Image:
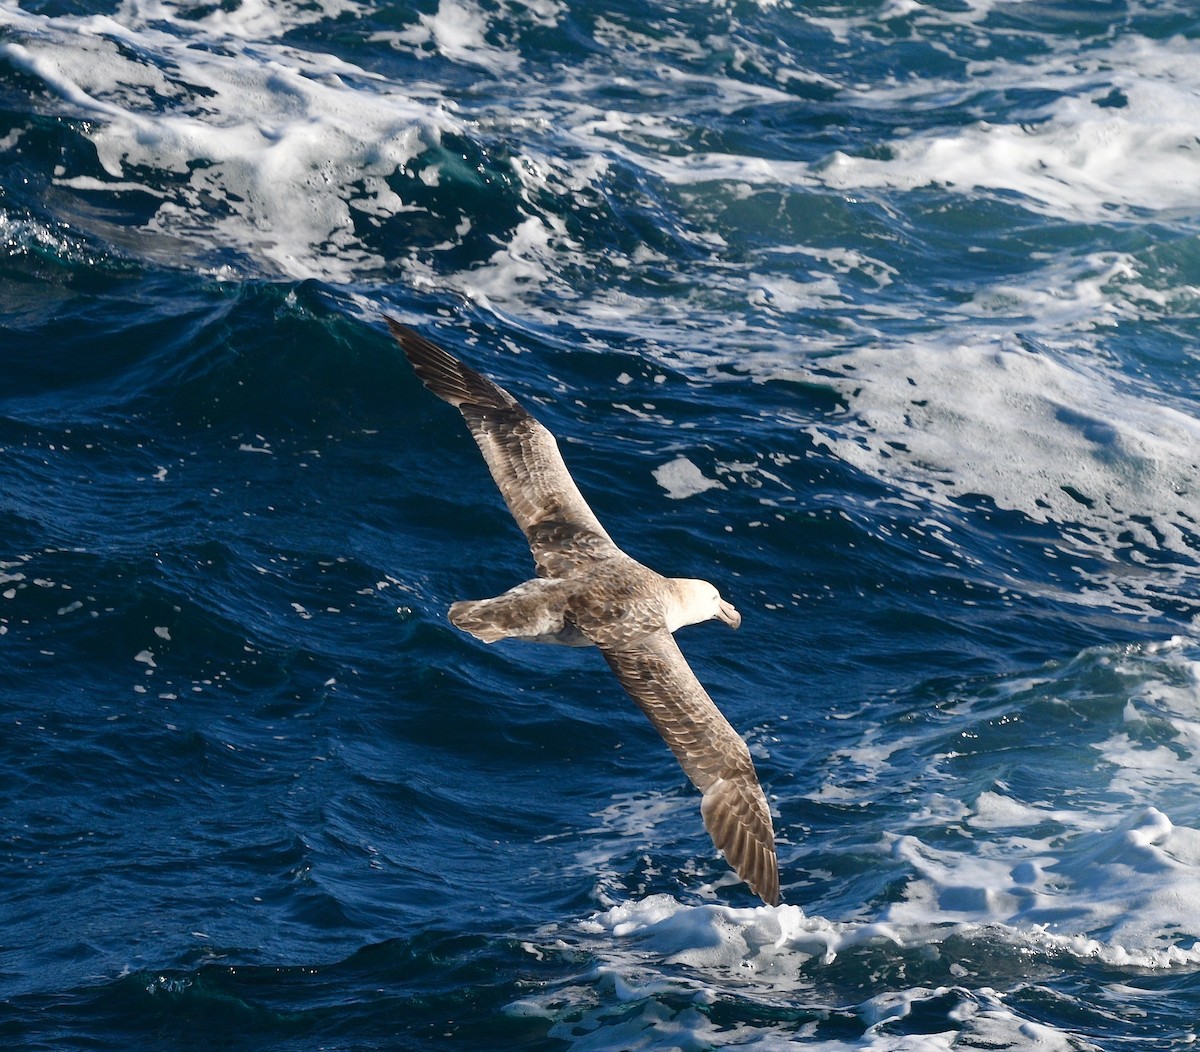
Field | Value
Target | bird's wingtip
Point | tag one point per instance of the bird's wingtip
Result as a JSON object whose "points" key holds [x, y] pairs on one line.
{"points": [[407, 337], [423, 352]]}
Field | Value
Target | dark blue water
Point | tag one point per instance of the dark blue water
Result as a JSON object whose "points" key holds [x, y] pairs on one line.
{"points": [[883, 317]]}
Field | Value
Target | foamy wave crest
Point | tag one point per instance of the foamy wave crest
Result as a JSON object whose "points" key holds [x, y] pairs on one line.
{"points": [[1085, 842], [1081, 851], [665, 971], [1041, 434], [1069, 158], [281, 156], [1126, 896]]}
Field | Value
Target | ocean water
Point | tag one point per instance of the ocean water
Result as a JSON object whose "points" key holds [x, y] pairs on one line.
{"points": [[883, 316]]}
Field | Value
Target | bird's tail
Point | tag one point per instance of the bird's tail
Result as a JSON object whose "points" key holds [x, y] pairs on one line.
{"points": [[534, 611], [479, 617]]}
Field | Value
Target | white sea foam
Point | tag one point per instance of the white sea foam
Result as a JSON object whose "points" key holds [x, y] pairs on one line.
{"points": [[1053, 438], [269, 160], [662, 963], [1127, 896], [529, 260], [1107, 874], [656, 955], [284, 148], [1071, 157], [1127, 893], [257, 20], [1111, 874], [458, 30], [681, 478]]}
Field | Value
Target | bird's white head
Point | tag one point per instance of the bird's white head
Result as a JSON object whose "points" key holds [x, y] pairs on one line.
{"points": [[698, 601]]}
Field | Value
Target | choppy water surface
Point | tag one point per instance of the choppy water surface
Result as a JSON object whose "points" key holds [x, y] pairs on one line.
{"points": [[883, 316]]}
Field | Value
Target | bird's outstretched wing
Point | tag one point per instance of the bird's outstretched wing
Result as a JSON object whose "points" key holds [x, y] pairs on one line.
{"points": [[522, 456], [657, 676]]}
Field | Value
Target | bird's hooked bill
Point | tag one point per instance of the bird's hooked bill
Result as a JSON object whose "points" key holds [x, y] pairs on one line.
{"points": [[728, 613]]}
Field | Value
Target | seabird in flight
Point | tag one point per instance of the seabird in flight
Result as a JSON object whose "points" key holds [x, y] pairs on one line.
{"points": [[588, 592]]}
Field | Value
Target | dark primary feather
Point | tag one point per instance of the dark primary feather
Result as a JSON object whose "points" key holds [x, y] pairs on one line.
{"points": [[448, 378]]}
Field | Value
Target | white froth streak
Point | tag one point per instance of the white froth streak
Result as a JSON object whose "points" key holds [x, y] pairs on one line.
{"points": [[1070, 158], [1100, 873], [681, 478], [44, 69], [658, 957], [287, 148], [1128, 895], [457, 29], [1057, 442], [247, 20]]}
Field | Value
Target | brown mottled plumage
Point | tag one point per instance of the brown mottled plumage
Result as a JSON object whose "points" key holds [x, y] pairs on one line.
{"points": [[590, 593]]}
